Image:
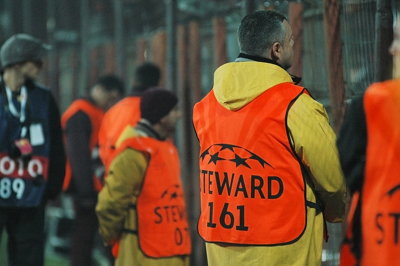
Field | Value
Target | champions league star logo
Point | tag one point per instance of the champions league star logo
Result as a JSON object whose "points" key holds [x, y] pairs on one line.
{"points": [[239, 156], [394, 189], [171, 193]]}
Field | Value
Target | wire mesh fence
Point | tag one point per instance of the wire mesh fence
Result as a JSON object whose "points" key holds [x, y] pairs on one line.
{"points": [[358, 35], [315, 76]]}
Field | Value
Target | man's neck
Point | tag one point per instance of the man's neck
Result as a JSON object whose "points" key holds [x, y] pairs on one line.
{"points": [[13, 80], [161, 131], [94, 101], [257, 58], [154, 131]]}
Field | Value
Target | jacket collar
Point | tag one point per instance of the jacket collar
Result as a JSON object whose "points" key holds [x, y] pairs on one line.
{"points": [[144, 126], [257, 58]]}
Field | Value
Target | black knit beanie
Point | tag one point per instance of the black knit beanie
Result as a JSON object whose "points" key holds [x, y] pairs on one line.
{"points": [[157, 103]]}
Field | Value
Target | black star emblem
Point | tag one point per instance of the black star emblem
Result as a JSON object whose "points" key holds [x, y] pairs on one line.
{"points": [[203, 155], [259, 159], [215, 158], [227, 146], [164, 193], [240, 161], [393, 190]]}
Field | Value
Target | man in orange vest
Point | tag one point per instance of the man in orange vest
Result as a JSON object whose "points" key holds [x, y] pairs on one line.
{"points": [[125, 112], [141, 209], [81, 123], [372, 170], [269, 169]]}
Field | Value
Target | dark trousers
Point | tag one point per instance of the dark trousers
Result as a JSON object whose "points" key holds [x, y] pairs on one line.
{"points": [[25, 229], [84, 228]]}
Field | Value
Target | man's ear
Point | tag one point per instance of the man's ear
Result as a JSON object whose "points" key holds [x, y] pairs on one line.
{"points": [[276, 50]]}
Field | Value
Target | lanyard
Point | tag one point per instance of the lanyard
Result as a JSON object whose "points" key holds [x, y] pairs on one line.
{"points": [[13, 110]]}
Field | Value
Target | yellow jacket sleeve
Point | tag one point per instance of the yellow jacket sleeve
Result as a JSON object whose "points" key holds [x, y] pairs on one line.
{"points": [[122, 186], [315, 144]]}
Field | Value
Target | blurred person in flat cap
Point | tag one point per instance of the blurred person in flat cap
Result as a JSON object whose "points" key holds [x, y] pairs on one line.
{"points": [[32, 159], [369, 148], [141, 209]]}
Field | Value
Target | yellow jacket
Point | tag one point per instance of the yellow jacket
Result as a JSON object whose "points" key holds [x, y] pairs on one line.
{"points": [[237, 84], [116, 218]]}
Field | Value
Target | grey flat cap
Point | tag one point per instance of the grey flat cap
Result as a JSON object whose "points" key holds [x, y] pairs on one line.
{"points": [[22, 47]]}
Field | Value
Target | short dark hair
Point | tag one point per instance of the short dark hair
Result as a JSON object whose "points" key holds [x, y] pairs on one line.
{"points": [[111, 82], [147, 75], [259, 30]]}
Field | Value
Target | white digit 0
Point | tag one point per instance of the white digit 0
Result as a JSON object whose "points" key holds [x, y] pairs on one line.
{"points": [[7, 166], [5, 188], [18, 187], [35, 164]]}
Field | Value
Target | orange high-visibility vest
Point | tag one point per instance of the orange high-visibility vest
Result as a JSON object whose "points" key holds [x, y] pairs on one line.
{"points": [[381, 191], [251, 183], [163, 229], [95, 115], [125, 112], [347, 256]]}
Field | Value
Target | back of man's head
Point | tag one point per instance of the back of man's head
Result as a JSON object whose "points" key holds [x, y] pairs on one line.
{"points": [[147, 75], [107, 91], [111, 82], [259, 30]]}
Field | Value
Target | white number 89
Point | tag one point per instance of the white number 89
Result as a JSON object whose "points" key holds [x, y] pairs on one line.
{"points": [[7, 186]]}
